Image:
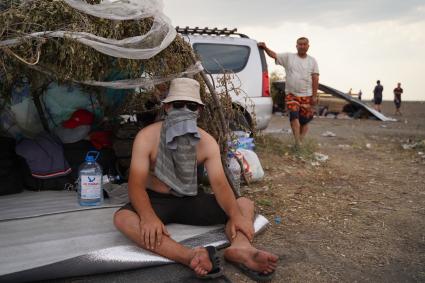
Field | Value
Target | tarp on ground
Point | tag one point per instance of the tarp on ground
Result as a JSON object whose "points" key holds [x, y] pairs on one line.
{"points": [[48, 235], [345, 96], [355, 101]]}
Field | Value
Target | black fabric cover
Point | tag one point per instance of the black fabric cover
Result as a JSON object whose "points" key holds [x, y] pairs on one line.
{"points": [[12, 168], [75, 154]]}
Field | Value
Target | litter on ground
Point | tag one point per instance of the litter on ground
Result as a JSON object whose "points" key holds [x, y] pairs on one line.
{"points": [[328, 134]]}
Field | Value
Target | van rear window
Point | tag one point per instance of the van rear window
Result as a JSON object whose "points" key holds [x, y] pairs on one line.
{"points": [[216, 57]]}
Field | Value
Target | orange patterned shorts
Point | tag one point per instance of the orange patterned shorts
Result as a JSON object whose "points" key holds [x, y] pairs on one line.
{"points": [[299, 108]]}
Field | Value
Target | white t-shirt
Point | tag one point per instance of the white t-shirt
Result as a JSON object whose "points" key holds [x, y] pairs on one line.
{"points": [[298, 73]]}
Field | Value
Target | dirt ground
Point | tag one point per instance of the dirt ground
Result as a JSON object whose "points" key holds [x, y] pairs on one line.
{"points": [[359, 216]]}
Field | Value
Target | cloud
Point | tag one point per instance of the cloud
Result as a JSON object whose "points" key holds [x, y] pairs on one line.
{"points": [[237, 13], [356, 56], [355, 42]]}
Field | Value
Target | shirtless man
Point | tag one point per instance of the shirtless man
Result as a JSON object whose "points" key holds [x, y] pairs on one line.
{"points": [[162, 194]]}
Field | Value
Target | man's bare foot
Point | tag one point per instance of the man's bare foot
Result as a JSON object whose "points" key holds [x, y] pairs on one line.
{"points": [[254, 259], [200, 261], [297, 147]]}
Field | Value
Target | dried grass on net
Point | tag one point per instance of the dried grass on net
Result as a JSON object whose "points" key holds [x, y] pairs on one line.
{"points": [[66, 60]]}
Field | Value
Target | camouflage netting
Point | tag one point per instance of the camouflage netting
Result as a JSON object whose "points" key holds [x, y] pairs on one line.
{"points": [[70, 60], [44, 59]]}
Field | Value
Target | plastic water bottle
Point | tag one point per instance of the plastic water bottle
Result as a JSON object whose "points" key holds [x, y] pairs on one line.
{"points": [[90, 191], [235, 170]]}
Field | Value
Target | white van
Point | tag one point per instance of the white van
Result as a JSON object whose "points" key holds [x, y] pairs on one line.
{"points": [[234, 52]]}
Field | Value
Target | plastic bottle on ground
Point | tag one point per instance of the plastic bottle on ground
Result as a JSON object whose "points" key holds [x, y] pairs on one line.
{"points": [[90, 191]]}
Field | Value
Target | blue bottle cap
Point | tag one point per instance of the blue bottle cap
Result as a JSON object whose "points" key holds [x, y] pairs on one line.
{"points": [[92, 156]]}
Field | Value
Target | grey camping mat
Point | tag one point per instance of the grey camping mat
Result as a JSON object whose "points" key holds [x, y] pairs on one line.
{"points": [[31, 204], [82, 242]]}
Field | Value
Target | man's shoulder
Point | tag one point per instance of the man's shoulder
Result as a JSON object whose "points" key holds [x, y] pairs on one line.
{"points": [[311, 58], [285, 55], [208, 147], [150, 132], [153, 127], [205, 136], [207, 140]]}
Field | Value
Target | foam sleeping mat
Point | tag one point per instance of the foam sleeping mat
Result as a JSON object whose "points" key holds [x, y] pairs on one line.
{"points": [[45, 235]]}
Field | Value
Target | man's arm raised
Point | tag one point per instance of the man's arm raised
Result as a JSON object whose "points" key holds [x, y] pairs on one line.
{"points": [[269, 52], [151, 227]]}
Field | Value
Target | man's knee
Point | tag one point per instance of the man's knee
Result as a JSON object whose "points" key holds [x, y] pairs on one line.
{"points": [[121, 220]]}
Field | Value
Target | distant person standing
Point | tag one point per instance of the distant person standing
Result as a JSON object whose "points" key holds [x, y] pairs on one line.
{"points": [[377, 95], [397, 98], [302, 82], [360, 95]]}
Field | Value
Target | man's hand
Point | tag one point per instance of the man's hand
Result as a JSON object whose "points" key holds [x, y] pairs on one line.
{"points": [[314, 100], [243, 225], [268, 51], [151, 232]]}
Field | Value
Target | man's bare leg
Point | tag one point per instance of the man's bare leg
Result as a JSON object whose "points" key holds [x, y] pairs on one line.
{"points": [[295, 126], [127, 222], [303, 132], [241, 249]]}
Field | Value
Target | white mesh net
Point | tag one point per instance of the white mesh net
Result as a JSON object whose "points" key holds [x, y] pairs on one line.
{"points": [[145, 46], [119, 9], [147, 83]]}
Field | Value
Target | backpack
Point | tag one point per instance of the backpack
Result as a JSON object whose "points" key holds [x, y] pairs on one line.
{"points": [[46, 161]]}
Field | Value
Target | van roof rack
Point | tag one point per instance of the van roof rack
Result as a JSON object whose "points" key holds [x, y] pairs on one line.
{"points": [[210, 31]]}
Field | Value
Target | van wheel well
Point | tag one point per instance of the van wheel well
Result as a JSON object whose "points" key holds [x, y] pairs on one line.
{"points": [[242, 120]]}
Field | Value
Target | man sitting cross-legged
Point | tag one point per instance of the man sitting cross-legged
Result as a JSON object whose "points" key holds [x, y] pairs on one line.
{"points": [[163, 189]]}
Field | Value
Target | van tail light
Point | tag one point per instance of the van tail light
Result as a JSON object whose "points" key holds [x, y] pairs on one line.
{"points": [[266, 84]]}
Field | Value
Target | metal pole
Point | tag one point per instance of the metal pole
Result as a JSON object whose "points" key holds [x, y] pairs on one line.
{"points": [[37, 103]]}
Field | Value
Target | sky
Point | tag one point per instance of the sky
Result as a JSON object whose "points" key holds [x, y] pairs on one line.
{"points": [[355, 42]]}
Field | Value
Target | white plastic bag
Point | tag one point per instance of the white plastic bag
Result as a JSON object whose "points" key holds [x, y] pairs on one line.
{"points": [[27, 118], [252, 165]]}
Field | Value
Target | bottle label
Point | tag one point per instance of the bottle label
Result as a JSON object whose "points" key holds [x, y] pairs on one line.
{"points": [[91, 186]]}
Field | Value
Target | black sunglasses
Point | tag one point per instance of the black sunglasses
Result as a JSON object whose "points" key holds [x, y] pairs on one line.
{"points": [[192, 106]]}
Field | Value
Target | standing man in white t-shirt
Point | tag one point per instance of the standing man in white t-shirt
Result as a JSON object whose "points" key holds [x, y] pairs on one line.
{"points": [[302, 82]]}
